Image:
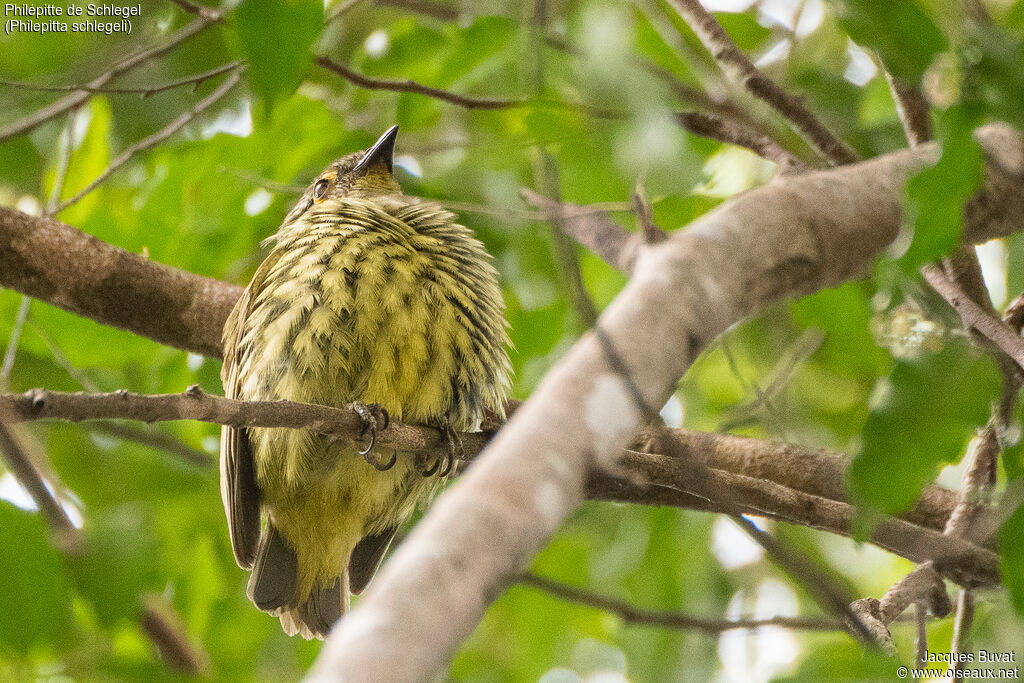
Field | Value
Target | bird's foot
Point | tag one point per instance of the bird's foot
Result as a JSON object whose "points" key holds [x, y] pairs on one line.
{"points": [[444, 464], [373, 417]]}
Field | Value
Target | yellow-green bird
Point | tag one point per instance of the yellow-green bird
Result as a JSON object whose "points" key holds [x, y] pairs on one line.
{"points": [[367, 296]]}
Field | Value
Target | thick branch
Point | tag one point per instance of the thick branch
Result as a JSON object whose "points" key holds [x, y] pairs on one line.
{"points": [[53, 262], [813, 231]]}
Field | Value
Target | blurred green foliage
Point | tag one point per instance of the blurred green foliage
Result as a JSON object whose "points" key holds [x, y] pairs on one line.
{"points": [[601, 91]]}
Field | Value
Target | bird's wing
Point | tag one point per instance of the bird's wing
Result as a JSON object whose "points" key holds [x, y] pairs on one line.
{"points": [[238, 489], [366, 558]]}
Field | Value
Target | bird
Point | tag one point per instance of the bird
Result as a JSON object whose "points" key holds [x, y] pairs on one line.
{"points": [[371, 299]]}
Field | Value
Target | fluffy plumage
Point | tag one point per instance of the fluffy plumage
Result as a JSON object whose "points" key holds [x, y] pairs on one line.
{"points": [[367, 296]]}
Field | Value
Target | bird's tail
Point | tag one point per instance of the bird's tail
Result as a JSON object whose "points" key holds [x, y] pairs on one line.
{"points": [[273, 587]]}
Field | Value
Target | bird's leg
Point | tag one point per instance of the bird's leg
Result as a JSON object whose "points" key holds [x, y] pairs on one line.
{"points": [[371, 416], [445, 464]]}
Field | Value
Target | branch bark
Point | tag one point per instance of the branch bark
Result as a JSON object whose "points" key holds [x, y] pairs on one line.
{"points": [[739, 68], [53, 262], [778, 480]]}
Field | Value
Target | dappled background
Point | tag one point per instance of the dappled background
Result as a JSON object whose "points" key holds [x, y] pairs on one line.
{"points": [[575, 99]]}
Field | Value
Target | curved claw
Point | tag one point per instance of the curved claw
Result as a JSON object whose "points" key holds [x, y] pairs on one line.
{"points": [[381, 467], [449, 463], [373, 440], [436, 466]]}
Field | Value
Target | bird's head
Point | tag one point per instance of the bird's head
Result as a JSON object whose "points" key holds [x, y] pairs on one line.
{"points": [[362, 174]]}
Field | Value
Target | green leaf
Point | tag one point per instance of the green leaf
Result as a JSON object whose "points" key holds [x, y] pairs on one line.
{"points": [[744, 29], [1010, 536], [900, 31], [993, 63], [936, 195], [120, 563], [276, 37], [89, 160], [925, 412], [34, 590]]}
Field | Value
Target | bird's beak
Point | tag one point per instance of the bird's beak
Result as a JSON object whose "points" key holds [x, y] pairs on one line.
{"points": [[382, 152]]}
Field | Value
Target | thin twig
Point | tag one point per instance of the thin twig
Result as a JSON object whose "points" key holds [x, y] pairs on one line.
{"points": [[707, 103], [465, 101], [63, 161], [156, 439], [155, 139], [194, 80], [32, 121], [715, 128], [12, 343], [546, 176], [994, 329], [62, 360], [739, 68], [920, 634], [195, 404], [827, 591], [923, 586], [200, 10], [631, 614], [166, 630], [21, 466], [644, 213], [912, 108], [961, 630]]}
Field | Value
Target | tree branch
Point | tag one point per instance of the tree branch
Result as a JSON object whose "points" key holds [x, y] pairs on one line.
{"points": [[15, 456], [194, 80], [631, 614], [53, 262], [30, 122], [595, 231], [912, 108], [975, 316], [814, 230], [201, 10], [780, 481], [154, 139], [714, 128], [165, 629], [737, 67], [464, 101]]}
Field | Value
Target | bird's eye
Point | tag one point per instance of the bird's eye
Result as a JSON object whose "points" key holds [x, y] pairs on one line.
{"points": [[320, 189]]}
